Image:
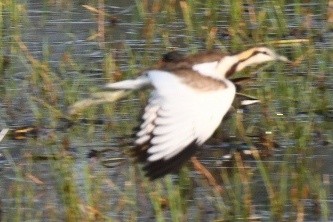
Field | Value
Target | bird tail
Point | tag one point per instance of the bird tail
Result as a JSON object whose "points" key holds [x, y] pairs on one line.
{"points": [[130, 84]]}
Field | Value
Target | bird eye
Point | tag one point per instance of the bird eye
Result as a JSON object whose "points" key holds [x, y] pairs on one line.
{"points": [[265, 53]]}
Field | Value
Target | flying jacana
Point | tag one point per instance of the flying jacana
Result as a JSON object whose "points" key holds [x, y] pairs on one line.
{"points": [[190, 96]]}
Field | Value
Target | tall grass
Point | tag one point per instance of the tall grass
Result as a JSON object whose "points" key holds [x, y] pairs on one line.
{"points": [[290, 113]]}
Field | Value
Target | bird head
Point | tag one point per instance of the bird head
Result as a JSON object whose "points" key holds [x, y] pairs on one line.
{"points": [[253, 56], [257, 55]]}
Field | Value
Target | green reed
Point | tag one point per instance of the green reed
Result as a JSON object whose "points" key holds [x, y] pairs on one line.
{"points": [[288, 182]]}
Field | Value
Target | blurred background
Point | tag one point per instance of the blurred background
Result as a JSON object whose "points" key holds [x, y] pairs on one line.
{"points": [[64, 160]]}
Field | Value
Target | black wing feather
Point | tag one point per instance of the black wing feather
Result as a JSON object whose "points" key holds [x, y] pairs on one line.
{"points": [[160, 168]]}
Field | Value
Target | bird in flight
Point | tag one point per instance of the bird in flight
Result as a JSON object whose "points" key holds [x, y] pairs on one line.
{"points": [[191, 95]]}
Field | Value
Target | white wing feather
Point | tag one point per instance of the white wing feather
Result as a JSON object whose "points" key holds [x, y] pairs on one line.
{"points": [[212, 106], [180, 115], [131, 84]]}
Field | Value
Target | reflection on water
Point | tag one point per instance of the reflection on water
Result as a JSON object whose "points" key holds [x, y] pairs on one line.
{"points": [[51, 34]]}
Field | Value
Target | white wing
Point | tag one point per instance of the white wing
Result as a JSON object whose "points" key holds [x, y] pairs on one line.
{"points": [[132, 84], [168, 123], [212, 106], [178, 116]]}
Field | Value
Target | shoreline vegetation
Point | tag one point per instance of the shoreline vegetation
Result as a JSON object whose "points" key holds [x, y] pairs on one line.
{"points": [[65, 156]]}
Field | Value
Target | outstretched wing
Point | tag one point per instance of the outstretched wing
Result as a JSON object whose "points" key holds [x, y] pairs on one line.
{"points": [[158, 139], [177, 119]]}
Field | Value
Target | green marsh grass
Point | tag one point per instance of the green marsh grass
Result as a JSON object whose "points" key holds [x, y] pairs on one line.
{"points": [[91, 193]]}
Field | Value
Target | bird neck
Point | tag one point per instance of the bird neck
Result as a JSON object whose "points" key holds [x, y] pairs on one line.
{"points": [[227, 66], [245, 63], [240, 61]]}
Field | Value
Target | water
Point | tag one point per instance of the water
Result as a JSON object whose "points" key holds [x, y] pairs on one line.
{"points": [[55, 33]]}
